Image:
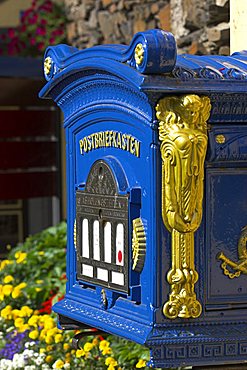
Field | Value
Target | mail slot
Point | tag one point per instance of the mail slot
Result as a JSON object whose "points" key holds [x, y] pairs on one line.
{"points": [[156, 149]]}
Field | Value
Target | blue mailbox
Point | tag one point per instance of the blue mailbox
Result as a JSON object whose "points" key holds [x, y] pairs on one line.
{"points": [[156, 148]]}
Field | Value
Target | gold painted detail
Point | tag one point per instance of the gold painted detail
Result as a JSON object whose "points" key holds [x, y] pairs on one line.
{"points": [[114, 139], [240, 267], [75, 233], [139, 54], [138, 245], [220, 139], [47, 65], [183, 135]]}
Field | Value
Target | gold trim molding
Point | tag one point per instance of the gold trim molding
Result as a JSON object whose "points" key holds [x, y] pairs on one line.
{"points": [[183, 136]]}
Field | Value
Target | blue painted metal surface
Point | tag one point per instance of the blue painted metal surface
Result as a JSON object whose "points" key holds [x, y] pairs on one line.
{"points": [[103, 91]]}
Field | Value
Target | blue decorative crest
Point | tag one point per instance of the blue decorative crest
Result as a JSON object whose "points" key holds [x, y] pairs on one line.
{"points": [[159, 54]]}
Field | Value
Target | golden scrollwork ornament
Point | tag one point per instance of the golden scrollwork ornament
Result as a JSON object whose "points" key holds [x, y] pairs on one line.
{"points": [[235, 269], [47, 65], [183, 136], [139, 54], [138, 245]]}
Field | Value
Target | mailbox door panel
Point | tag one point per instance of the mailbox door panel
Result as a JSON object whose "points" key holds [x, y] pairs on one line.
{"points": [[226, 218], [125, 144]]}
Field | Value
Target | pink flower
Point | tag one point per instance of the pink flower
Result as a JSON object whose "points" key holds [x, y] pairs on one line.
{"points": [[11, 32], [43, 22], [33, 20], [32, 41], [52, 40], [41, 31]]}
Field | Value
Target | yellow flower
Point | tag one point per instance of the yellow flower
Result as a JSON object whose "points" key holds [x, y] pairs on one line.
{"points": [[48, 340], [41, 253], [66, 346], [15, 313], [95, 341], [38, 290], [111, 361], [106, 351], [111, 367], [26, 311], [80, 353], [104, 347], [42, 350], [6, 312], [39, 281], [23, 328], [21, 285], [16, 293], [141, 363], [87, 347], [58, 364], [1, 293], [48, 358], [20, 257], [7, 289], [49, 348], [68, 356], [33, 321], [58, 338], [34, 334], [5, 263], [8, 279], [49, 324], [103, 344], [19, 322]]}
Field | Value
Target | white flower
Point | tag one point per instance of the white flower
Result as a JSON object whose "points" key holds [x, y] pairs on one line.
{"points": [[28, 353], [18, 360], [45, 367], [30, 367], [66, 365], [29, 344], [6, 364]]}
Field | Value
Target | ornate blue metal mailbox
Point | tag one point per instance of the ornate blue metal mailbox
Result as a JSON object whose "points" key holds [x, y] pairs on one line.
{"points": [[157, 196]]}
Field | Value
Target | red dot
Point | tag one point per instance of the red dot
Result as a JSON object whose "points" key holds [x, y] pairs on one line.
{"points": [[120, 256]]}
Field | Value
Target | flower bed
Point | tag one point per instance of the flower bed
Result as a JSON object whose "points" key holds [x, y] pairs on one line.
{"points": [[31, 280]]}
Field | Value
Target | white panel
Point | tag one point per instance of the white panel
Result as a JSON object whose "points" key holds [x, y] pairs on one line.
{"points": [[120, 245], [87, 270], [96, 250], [85, 238], [117, 278], [107, 242], [102, 274]]}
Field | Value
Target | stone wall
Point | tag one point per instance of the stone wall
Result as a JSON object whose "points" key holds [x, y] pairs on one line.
{"points": [[198, 26]]}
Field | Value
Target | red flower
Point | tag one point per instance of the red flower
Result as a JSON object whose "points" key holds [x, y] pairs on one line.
{"points": [[41, 31], [52, 40], [41, 46], [43, 22]]}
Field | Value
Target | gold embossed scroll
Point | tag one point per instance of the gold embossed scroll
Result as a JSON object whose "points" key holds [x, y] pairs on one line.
{"points": [[183, 136]]}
